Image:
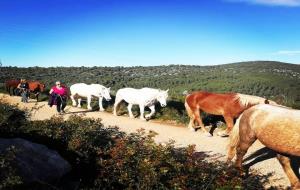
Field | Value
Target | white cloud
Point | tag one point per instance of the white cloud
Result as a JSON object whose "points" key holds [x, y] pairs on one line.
{"points": [[288, 52], [288, 3]]}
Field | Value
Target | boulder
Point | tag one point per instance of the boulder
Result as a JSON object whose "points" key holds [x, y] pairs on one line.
{"points": [[35, 162]]}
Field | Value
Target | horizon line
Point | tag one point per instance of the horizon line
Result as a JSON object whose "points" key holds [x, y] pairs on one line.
{"points": [[212, 65]]}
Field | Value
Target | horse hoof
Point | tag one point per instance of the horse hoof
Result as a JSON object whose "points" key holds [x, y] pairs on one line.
{"points": [[222, 134], [101, 110], [192, 129], [208, 134]]}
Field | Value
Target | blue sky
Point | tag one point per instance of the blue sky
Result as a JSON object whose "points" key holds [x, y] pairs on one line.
{"points": [[147, 32]]}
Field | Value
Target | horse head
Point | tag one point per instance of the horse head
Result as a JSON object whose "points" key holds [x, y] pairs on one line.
{"points": [[105, 92], [162, 97]]}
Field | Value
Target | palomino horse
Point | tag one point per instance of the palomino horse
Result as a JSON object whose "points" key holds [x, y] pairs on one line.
{"points": [[277, 127], [142, 97], [230, 105], [34, 87], [84, 90]]}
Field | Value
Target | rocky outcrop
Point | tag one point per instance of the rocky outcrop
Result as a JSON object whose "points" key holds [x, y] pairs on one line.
{"points": [[35, 162]]}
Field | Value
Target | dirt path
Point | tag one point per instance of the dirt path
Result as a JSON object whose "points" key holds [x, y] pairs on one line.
{"points": [[215, 145]]}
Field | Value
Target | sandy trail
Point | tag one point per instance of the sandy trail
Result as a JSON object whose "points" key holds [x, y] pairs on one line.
{"points": [[215, 145]]}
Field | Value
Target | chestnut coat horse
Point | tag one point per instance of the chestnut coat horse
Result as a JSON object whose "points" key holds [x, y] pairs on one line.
{"points": [[229, 105], [11, 85], [34, 86], [277, 127]]}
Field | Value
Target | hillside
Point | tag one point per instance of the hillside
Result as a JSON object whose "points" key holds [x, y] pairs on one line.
{"points": [[275, 80]]}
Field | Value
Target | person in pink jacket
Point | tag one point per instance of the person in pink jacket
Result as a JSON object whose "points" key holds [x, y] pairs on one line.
{"points": [[59, 96]]}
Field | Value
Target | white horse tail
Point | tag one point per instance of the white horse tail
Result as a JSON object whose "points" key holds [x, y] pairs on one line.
{"points": [[187, 107], [234, 139]]}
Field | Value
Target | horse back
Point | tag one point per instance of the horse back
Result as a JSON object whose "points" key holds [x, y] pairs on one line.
{"points": [[35, 86], [12, 83], [213, 103]]}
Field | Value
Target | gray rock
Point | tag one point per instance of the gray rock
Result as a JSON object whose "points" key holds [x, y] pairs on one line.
{"points": [[35, 162]]}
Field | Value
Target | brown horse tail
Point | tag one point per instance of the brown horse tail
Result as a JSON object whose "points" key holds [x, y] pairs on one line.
{"points": [[234, 139], [187, 107]]}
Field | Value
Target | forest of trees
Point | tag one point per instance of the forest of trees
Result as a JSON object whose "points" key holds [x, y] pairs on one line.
{"points": [[275, 80]]}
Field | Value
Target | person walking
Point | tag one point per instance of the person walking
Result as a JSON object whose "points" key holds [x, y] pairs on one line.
{"points": [[23, 89], [58, 96]]}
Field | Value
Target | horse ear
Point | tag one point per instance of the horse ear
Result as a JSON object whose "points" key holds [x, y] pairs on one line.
{"points": [[167, 90]]}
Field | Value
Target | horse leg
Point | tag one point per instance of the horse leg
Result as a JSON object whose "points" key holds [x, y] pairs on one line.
{"points": [[100, 104], [117, 102], [8, 89], [89, 98], [197, 115], [13, 91], [129, 111], [79, 103], [142, 107], [191, 123], [286, 165], [73, 100], [37, 97], [152, 108], [191, 116], [246, 140], [229, 126]]}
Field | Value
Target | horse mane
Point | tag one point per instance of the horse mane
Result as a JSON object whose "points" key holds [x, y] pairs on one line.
{"points": [[247, 100]]}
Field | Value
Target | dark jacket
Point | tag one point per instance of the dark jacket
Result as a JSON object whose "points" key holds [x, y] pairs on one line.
{"points": [[54, 98]]}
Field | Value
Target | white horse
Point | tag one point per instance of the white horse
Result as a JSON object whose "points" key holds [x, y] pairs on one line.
{"points": [[142, 97], [89, 91]]}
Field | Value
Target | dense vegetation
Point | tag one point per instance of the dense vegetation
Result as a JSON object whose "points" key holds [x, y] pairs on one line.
{"points": [[274, 80], [105, 158]]}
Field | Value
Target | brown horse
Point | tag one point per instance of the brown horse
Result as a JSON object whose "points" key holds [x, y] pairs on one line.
{"points": [[229, 105], [35, 87], [277, 127], [11, 84]]}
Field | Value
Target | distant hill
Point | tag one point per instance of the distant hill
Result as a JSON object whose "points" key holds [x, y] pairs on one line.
{"points": [[275, 80]]}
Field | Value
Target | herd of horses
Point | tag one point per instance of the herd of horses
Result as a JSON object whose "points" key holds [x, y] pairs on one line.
{"points": [[35, 87], [275, 126]]}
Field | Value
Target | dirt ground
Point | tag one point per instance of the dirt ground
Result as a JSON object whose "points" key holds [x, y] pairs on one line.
{"points": [[215, 146]]}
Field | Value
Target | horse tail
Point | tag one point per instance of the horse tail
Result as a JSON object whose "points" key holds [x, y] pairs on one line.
{"points": [[187, 107], [234, 139], [118, 99]]}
